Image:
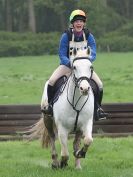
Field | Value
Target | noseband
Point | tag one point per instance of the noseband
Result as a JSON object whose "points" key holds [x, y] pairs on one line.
{"points": [[79, 80]]}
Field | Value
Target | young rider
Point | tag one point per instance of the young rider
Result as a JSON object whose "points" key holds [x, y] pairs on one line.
{"points": [[79, 39]]}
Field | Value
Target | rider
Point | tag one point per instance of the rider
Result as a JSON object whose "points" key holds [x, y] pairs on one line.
{"points": [[80, 38]]}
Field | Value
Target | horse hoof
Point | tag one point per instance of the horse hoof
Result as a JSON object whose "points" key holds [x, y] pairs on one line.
{"points": [[63, 164], [55, 165], [63, 161], [78, 168]]}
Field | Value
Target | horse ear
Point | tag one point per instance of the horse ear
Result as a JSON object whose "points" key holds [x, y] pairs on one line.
{"points": [[74, 51], [88, 50]]}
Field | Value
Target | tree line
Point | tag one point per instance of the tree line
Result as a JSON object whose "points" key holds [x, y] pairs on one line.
{"points": [[53, 15]]}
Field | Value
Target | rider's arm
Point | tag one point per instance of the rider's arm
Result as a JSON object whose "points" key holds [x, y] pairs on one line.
{"points": [[63, 50], [92, 45]]}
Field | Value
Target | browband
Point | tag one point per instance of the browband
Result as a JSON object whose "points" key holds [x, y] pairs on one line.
{"points": [[80, 58]]}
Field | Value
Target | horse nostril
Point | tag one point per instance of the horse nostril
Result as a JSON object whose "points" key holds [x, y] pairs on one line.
{"points": [[81, 88]]}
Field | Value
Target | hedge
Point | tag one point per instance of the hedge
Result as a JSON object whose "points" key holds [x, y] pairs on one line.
{"points": [[116, 44], [120, 40], [19, 44]]}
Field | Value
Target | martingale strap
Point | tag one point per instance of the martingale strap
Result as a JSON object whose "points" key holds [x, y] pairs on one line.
{"points": [[74, 105], [76, 121]]}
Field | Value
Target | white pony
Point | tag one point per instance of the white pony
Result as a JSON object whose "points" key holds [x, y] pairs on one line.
{"points": [[72, 112]]}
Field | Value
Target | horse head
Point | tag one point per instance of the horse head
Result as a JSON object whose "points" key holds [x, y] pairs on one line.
{"points": [[82, 70]]}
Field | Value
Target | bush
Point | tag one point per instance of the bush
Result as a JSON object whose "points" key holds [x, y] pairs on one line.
{"points": [[120, 40], [116, 44], [18, 44]]}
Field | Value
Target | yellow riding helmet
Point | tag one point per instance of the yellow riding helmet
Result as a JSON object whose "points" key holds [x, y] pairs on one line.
{"points": [[77, 15]]}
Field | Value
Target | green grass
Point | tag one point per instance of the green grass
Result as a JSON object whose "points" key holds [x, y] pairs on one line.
{"points": [[22, 78], [106, 158]]}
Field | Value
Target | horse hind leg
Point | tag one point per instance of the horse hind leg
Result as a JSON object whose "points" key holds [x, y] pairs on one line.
{"points": [[63, 136], [55, 163], [76, 147], [50, 140]]}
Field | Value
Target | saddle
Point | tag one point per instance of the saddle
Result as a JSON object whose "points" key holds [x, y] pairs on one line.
{"points": [[95, 89], [59, 86]]}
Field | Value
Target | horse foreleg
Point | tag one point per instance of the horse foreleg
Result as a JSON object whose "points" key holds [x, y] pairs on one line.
{"points": [[63, 136], [82, 153], [76, 147], [87, 133]]}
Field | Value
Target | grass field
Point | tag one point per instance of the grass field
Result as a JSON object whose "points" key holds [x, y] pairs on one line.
{"points": [[106, 158], [22, 78]]}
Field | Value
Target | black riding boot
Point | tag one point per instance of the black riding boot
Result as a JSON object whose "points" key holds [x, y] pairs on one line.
{"points": [[49, 109], [99, 112]]}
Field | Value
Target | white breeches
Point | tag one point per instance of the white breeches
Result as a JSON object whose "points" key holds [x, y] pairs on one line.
{"points": [[64, 70]]}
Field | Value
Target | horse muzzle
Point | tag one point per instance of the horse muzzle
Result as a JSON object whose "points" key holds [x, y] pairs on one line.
{"points": [[84, 87]]}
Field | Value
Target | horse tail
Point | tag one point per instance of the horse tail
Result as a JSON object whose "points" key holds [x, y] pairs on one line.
{"points": [[39, 131]]}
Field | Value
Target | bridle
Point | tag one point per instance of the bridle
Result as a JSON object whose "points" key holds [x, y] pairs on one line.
{"points": [[80, 79], [77, 82]]}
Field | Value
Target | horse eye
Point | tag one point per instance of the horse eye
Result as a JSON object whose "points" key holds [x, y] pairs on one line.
{"points": [[74, 67]]}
